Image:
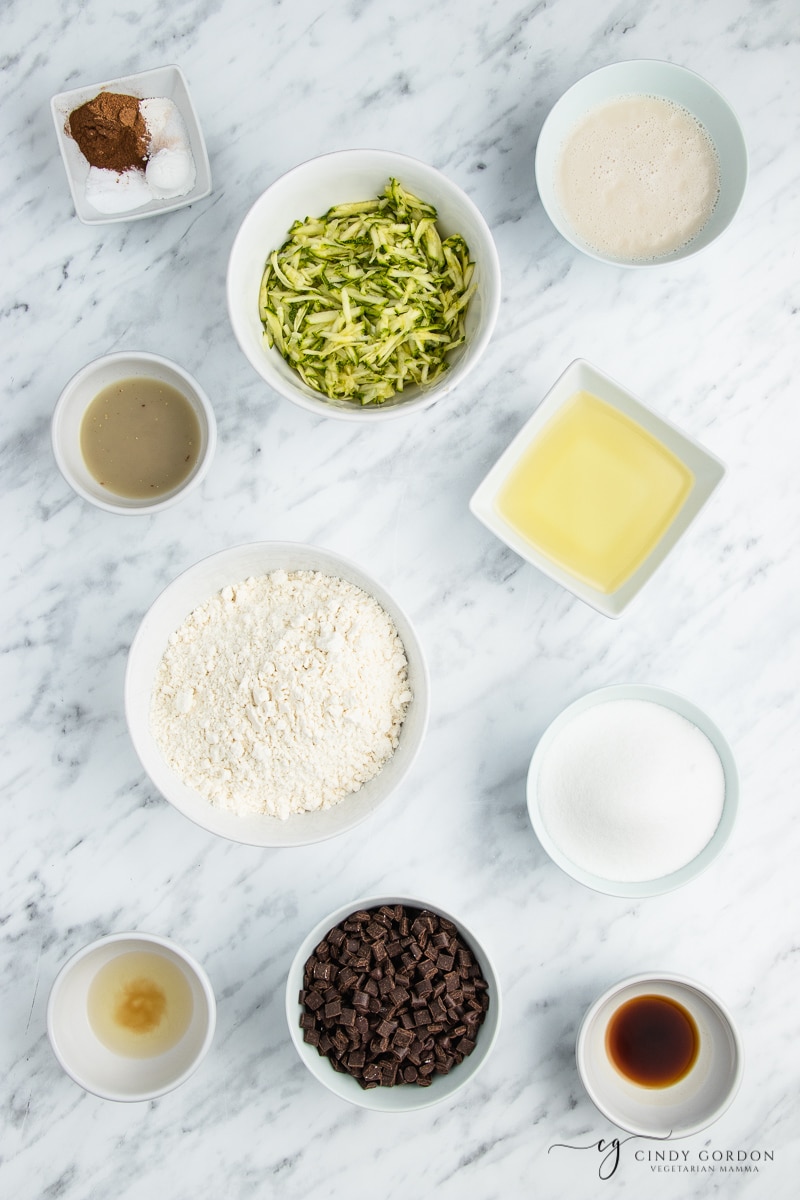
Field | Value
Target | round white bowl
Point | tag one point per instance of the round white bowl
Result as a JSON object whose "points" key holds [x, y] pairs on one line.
{"points": [[98, 1069], [685, 708], [403, 1097], [652, 78], [692, 1103], [310, 190], [65, 428], [169, 611]]}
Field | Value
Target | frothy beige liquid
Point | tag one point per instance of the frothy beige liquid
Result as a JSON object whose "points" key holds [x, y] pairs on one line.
{"points": [[638, 178]]}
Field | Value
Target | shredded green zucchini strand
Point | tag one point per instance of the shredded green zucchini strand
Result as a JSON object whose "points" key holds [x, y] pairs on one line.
{"points": [[368, 299]]}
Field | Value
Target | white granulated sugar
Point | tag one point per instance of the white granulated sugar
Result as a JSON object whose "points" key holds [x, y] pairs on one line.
{"points": [[630, 790], [281, 694]]}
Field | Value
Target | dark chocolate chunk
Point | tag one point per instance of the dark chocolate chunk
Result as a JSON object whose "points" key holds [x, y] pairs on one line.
{"points": [[393, 996]]}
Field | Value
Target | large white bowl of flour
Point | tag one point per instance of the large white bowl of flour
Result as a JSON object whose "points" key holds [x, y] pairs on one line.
{"points": [[632, 790], [281, 661]]}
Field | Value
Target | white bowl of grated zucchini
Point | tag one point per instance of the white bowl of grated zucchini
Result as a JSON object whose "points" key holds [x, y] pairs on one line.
{"points": [[363, 285]]}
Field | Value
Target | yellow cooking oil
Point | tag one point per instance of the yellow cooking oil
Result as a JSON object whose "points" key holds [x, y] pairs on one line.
{"points": [[595, 492]]}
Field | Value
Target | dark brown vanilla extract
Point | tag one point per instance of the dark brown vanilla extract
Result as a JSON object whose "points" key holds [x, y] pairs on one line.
{"points": [[653, 1041]]}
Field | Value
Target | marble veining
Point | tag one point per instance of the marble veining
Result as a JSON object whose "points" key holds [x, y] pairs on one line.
{"points": [[89, 847]]}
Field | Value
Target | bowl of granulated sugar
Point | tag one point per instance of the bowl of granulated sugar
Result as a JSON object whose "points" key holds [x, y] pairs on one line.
{"points": [[633, 790]]}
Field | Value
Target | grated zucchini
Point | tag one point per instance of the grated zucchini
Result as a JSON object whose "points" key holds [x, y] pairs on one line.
{"points": [[368, 299]]}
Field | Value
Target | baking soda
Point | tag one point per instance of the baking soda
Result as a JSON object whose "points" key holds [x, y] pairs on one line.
{"points": [[630, 790]]}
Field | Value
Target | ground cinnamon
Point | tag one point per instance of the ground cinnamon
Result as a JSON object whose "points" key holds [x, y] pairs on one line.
{"points": [[111, 132]]}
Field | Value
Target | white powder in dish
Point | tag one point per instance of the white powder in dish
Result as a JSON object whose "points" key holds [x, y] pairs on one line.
{"points": [[170, 170], [630, 790], [116, 191], [281, 694]]}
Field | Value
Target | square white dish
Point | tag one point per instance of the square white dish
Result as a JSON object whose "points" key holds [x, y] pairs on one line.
{"points": [[579, 376], [168, 82]]}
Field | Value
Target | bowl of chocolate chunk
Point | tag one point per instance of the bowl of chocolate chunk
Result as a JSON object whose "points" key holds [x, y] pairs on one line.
{"points": [[132, 147], [392, 1003], [133, 433], [276, 694]]}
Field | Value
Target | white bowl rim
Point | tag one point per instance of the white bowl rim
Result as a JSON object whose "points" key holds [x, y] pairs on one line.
{"points": [[667, 698], [146, 358], [361, 1098], [426, 397], [423, 700], [682, 252], [654, 978], [156, 940]]}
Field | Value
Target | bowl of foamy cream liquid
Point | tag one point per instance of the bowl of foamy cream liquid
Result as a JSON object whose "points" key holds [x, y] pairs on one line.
{"points": [[641, 163]]}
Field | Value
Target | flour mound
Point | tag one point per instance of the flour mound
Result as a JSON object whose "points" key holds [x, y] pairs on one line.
{"points": [[281, 694]]}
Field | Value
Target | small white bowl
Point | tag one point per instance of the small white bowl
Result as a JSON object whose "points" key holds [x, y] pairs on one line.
{"points": [[581, 376], [65, 429], [88, 1061], [403, 1097], [167, 82], [651, 78], [169, 611], [310, 190], [684, 708], [691, 1104]]}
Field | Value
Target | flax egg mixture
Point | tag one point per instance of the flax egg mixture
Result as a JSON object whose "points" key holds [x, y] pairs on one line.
{"points": [[595, 492], [140, 438], [638, 177]]}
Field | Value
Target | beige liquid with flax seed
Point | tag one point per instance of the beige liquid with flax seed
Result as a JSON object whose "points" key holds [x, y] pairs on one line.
{"points": [[140, 438]]}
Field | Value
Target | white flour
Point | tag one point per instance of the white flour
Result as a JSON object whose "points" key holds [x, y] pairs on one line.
{"points": [[281, 694]]}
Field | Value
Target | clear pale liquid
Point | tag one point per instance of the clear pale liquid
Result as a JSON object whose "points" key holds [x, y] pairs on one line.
{"points": [[140, 438], [595, 492], [140, 1004]]}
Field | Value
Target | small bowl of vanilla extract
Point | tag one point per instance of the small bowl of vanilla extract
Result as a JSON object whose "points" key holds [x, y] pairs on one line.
{"points": [[133, 433], [660, 1056]]}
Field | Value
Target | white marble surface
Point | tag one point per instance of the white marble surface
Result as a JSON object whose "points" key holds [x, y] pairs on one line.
{"points": [[89, 847]]}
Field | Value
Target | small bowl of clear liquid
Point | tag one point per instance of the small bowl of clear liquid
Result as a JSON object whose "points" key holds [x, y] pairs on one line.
{"points": [[131, 1016]]}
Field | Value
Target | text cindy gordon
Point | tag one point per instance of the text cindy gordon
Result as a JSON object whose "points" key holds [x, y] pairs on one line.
{"points": [[705, 1161]]}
